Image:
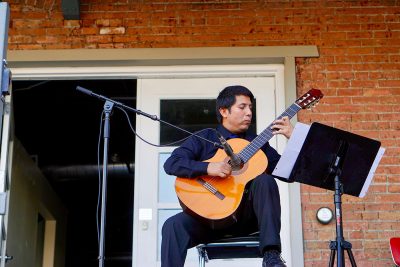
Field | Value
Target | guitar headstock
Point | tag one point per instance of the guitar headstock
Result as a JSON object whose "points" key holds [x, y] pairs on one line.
{"points": [[309, 99]]}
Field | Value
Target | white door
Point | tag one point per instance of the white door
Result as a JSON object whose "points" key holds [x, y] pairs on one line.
{"points": [[155, 198]]}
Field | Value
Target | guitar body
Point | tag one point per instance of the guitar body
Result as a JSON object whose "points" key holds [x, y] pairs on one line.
{"points": [[220, 209]]}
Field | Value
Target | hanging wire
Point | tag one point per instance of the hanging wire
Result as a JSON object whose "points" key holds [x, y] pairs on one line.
{"points": [[152, 144], [99, 174], [31, 86]]}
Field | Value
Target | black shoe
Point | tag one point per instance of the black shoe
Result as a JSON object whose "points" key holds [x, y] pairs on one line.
{"points": [[272, 258]]}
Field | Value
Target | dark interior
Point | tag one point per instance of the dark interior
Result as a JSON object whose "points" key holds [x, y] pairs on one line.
{"points": [[59, 127]]}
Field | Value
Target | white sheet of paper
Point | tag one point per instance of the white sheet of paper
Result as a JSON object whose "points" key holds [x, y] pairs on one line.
{"points": [[293, 147], [372, 171]]}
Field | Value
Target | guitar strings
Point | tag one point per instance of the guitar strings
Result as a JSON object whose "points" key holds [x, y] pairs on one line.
{"points": [[262, 138]]}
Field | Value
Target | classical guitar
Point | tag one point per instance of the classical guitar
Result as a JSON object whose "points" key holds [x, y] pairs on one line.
{"points": [[216, 200]]}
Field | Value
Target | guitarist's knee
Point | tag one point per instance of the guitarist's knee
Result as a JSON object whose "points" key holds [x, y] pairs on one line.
{"points": [[170, 225], [178, 223], [265, 183]]}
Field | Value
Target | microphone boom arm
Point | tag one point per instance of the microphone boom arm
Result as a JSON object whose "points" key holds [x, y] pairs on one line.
{"points": [[139, 112]]}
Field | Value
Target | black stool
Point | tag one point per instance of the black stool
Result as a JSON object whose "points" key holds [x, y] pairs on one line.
{"points": [[230, 248]]}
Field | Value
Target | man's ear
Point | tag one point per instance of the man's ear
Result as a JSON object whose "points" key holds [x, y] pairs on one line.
{"points": [[224, 112]]}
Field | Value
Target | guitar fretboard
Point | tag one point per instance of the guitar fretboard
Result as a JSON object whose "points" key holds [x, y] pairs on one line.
{"points": [[266, 135]]}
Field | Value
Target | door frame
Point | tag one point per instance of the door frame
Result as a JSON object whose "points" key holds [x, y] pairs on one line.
{"points": [[149, 179], [290, 222]]}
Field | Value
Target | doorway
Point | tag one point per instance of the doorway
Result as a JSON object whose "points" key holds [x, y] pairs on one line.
{"points": [[59, 128]]}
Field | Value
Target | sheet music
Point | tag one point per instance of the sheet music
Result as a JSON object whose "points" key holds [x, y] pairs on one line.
{"points": [[292, 150], [372, 171]]}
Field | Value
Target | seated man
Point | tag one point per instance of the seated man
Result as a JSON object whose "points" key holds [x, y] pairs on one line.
{"points": [[260, 210]]}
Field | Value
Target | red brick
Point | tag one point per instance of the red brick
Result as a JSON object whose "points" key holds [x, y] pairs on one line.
{"points": [[98, 39], [72, 24], [20, 39], [112, 30], [30, 46], [389, 83]]}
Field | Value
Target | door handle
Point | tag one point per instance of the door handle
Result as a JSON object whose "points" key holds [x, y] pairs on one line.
{"points": [[6, 257]]}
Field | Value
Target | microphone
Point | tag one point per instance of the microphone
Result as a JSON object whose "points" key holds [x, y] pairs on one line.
{"points": [[84, 90], [235, 161]]}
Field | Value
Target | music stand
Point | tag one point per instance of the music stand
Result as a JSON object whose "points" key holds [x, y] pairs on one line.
{"points": [[336, 160]]}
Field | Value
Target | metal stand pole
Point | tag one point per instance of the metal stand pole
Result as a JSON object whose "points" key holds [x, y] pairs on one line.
{"points": [[340, 244], [107, 111]]}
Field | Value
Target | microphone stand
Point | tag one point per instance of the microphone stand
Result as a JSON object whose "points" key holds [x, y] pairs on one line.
{"points": [[108, 106]]}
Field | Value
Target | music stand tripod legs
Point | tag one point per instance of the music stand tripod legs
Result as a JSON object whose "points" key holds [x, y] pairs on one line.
{"points": [[340, 244]]}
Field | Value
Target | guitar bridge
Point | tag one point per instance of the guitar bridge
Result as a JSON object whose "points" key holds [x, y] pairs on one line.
{"points": [[210, 188]]}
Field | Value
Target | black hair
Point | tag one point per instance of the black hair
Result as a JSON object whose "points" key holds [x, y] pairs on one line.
{"points": [[227, 97]]}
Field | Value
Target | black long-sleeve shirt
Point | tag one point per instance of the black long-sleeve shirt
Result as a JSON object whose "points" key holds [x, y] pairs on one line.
{"points": [[187, 160]]}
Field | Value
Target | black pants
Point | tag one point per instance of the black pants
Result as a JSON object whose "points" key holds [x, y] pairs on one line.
{"points": [[261, 212]]}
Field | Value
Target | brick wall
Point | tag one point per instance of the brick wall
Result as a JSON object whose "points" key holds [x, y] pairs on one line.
{"points": [[358, 70]]}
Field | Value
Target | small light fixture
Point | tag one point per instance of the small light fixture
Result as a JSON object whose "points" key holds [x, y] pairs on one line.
{"points": [[324, 215]]}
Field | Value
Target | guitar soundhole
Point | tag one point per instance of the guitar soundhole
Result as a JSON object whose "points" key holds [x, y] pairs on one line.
{"points": [[236, 170]]}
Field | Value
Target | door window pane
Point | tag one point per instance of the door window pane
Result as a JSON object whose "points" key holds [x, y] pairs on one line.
{"points": [[166, 183], [190, 114]]}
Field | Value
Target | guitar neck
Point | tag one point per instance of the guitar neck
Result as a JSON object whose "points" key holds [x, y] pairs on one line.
{"points": [[266, 135]]}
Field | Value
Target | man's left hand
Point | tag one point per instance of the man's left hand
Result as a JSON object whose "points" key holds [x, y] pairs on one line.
{"points": [[282, 126]]}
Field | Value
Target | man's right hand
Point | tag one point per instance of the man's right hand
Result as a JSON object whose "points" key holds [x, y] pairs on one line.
{"points": [[221, 169]]}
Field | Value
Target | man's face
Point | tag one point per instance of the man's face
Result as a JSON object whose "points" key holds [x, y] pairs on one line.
{"points": [[238, 118]]}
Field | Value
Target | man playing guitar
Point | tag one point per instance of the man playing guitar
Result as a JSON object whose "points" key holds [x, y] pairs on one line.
{"points": [[260, 205]]}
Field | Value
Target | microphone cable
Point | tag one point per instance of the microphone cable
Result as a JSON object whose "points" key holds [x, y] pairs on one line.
{"points": [[166, 145], [99, 173]]}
